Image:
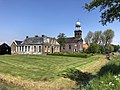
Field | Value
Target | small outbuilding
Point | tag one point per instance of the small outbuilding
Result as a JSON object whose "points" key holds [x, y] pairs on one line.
{"points": [[5, 49]]}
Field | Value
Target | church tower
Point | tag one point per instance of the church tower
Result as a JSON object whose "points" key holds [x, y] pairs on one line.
{"points": [[78, 32]]}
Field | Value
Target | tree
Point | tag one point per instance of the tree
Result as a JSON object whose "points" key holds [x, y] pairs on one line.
{"points": [[109, 48], [110, 9], [116, 47], [103, 40], [97, 37], [88, 38], [94, 48], [100, 41], [108, 35], [61, 39], [101, 49]]}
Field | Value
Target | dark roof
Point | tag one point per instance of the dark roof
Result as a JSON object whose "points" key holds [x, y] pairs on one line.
{"points": [[18, 42], [73, 40], [33, 41], [77, 31], [4, 45]]}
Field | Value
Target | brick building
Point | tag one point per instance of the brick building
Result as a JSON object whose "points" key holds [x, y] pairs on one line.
{"points": [[74, 44]]}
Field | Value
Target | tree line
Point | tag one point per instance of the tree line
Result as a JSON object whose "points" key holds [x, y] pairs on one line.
{"points": [[100, 42]]}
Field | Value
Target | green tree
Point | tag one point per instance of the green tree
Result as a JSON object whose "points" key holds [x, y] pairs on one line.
{"points": [[94, 48], [61, 39], [108, 35], [103, 40], [116, 47], [97, 37], [110, 9], [110, 48], [101, 49], [88, 38]]}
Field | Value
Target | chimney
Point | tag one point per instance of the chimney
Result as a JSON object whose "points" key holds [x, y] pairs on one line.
{"points": [[36, 35], [27, 37], [43, 35]]}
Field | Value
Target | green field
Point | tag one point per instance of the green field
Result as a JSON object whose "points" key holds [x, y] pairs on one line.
{"points": [[42, 67]]}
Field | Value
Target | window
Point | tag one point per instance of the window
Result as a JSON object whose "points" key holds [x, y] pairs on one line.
{"points": [[35, 49], [45, 49], [40, 49], [25, 48], [48, 48], [63, 47], [69, 46], [20, 48], [28, 48], [75, 50]]}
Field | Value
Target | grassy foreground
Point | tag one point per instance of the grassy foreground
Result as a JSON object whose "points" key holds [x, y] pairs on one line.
{"points": [[108, 78], [34, 69]]}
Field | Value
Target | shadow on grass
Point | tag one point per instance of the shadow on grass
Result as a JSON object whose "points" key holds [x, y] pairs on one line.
{"points": [[109, 68], [81, 78]]}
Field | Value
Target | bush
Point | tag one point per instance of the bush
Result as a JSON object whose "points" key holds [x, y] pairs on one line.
{"points": [[101, 49], [94, 48], [106, 82], [82, 55], [112, 68], [116, 48], [109, 48]]}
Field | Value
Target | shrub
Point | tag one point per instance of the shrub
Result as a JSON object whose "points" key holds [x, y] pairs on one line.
{"points": [[101, 49], [106, 82], [94, 48], [116, 47], [112, 68], [109, 48], [82, 55]]}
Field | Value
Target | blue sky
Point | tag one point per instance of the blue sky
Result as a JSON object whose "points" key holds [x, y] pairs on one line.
{"points": [[21, 18]]}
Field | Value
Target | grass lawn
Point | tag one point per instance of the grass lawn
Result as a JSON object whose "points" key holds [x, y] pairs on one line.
{"points": [[108, 77], [43, 67]]}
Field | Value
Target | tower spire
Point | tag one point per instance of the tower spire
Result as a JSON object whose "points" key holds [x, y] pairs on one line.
{"points": [[78, 25], [78, 31]]}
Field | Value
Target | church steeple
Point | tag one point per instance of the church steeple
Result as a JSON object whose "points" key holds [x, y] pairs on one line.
{"points": [[78, 25], [78, 32]]}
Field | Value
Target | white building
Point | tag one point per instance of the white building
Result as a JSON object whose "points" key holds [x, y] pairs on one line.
{"points": [[35, 45]]}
